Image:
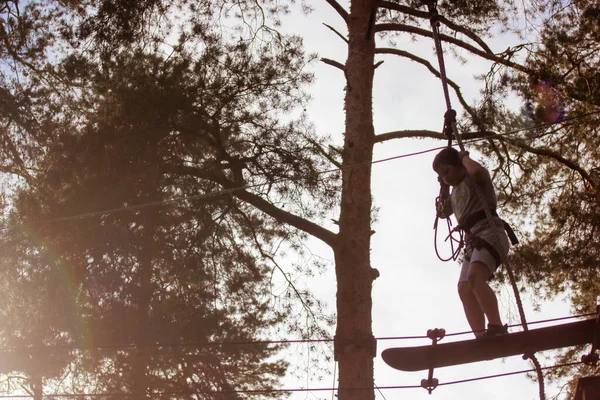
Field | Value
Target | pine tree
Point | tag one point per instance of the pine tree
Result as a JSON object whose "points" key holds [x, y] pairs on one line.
{"points": [[150, 274]]}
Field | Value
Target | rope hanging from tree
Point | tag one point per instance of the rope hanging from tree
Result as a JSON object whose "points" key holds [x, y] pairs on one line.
{"points": [[450, 130]]}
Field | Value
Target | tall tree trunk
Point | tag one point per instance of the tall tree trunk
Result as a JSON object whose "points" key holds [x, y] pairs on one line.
{"points": [[355, 346], [143, 337], [139, 365]]}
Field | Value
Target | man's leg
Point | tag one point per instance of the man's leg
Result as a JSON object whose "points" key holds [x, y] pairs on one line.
{"points": [[486, 298], [473, 311]]}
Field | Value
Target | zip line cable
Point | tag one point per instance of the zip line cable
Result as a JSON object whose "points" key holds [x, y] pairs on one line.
{"points": [[290, 390], [262, 342], [471, 332], [380, 392], [108, 211], [532, 323]]}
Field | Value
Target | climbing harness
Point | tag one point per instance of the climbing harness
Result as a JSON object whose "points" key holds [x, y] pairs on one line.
{"points": [[450, 130]]}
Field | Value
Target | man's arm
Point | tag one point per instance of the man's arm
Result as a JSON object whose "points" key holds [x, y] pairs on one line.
{"points": [[475, 170]]}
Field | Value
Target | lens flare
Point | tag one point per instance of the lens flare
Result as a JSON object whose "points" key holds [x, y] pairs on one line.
{"points": [[549, 105], [82, 332]]}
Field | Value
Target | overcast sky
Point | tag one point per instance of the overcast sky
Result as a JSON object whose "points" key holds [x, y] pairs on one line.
{"points": [[416, 291]]}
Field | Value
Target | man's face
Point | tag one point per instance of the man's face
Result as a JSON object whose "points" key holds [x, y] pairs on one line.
{"points": [[451, 174]]}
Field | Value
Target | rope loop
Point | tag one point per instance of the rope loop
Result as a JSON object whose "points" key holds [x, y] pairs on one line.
{"points": [[441, 211]]}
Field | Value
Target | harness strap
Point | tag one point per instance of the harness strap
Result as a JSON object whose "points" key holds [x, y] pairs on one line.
{"points": [[510, 232], [475, 218], [478, 243], [480, 215]]}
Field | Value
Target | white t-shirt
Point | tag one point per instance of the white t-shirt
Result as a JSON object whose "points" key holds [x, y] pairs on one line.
{"points": [[465, 202]]}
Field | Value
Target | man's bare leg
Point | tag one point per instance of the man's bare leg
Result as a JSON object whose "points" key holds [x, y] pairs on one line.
{"points": [[473, 311], [486, 298]]}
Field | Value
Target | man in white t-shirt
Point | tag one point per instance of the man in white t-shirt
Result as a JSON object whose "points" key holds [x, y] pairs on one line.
{"points": [[486, 242]]}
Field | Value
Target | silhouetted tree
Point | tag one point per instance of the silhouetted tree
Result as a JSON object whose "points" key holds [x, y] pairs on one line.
{"points": [[175, 261]]}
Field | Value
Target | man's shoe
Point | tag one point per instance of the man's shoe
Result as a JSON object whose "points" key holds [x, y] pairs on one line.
{"points": [[495, 330]]}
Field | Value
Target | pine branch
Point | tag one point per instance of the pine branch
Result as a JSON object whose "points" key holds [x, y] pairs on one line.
{"points": [[329, 157], [421, 134], [425, 15], [449, 39], [269, 256], [491, 135], [556, 156], [340, 10], [337, 33], [268, 208], [334, 63], [20, 168]]}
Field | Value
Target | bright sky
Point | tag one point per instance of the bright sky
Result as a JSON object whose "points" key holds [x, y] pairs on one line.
{"points": [[416, 291]]}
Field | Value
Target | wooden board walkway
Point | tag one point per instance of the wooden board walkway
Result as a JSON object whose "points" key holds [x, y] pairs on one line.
{"points": [[468, 351]]}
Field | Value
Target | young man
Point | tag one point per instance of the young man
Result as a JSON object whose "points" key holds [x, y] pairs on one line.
{"points": [[486, 242]]}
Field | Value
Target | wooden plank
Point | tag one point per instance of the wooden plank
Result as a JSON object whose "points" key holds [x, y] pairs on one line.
{"points": [[454, 353]]}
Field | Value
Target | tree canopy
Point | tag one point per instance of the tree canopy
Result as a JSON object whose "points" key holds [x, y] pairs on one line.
{"points": [[140, 272]]}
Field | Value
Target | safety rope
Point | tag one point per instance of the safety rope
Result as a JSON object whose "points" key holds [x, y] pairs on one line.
{"points": [[451, 131], [434, 18], [454, 252]]}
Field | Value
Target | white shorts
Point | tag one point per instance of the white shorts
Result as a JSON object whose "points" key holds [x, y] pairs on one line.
{"points": [[482, 255]]}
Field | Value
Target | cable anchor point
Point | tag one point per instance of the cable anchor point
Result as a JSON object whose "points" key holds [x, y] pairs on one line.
{"points": [[431, 383]]}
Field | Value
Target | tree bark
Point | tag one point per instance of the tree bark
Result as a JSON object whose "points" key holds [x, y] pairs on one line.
{"points": [[140, 382], [140, 359], [354, 342]]}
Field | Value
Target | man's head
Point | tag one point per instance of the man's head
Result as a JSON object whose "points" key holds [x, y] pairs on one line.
{"points": [[448, 166]]}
